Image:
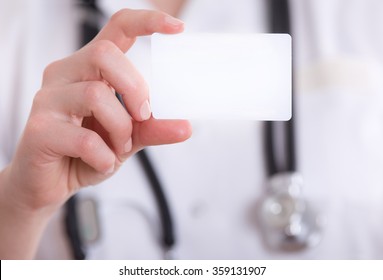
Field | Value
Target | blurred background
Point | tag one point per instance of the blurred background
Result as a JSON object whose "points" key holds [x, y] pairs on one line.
{"points": [[217, 184]]}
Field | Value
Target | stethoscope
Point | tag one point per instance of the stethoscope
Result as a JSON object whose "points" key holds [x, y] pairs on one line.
{"points": [[286, 219], [288, 222]]}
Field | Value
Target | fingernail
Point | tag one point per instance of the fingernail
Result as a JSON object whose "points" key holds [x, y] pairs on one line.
{"points": [[173, 21], [110, 170], [145, 111], [128, 146]]}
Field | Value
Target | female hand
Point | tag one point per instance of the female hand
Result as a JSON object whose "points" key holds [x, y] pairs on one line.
{"points": [[78, 133]]}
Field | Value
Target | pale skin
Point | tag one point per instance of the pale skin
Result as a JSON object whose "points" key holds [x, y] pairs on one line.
{"points": [[171, 7], [78, 134]]}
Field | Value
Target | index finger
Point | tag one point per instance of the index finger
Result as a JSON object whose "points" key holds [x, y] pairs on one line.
{"points": [[125, 25]]}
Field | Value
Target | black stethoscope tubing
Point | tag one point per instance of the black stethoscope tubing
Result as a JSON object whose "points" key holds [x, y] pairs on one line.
{"points": [[279, 15], [279, 21]]}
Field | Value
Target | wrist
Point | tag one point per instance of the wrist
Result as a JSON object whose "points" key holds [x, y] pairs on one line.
{"points": [[21, 226], [15, 202]]}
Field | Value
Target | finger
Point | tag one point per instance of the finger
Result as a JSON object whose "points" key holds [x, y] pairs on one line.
{"points": [[103, 61], [125, 25], [66, 139], [159, 132], [97, 99]]}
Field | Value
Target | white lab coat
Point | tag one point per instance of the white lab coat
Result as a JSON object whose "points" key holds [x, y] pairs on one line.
{"points": [[214, 180]]}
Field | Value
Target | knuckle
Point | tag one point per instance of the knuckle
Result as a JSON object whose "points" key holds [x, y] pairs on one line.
{"points": [[41, 99], [88, 142], [101, 50], [51, 70], [36, 125], [93, 92], [119, 16]]}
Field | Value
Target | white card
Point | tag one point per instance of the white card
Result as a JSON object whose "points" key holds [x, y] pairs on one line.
{"points": [[221, 76]]}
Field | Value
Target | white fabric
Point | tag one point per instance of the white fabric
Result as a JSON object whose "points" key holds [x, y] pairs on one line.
{"points": [[214, 180]]}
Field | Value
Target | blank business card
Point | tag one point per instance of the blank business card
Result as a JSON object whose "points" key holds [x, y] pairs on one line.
{"points": [[221, 76]]}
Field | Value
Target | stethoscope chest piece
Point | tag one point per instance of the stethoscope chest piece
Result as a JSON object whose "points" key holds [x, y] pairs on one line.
{"points": [[287, 220]]}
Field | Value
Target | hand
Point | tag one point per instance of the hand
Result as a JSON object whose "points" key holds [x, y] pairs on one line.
{"points": [[78, 133]]}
